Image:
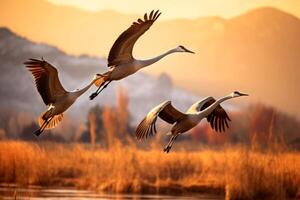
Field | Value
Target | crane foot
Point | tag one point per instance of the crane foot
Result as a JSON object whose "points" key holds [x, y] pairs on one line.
{"points": [[167, 149], [92, 96], [37, 133]]}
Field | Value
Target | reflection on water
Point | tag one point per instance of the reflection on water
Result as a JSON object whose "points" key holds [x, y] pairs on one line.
{"points": [[35, 193]]}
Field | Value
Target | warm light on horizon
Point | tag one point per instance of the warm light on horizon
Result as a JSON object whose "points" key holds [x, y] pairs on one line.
{"points": [[190, 9]]}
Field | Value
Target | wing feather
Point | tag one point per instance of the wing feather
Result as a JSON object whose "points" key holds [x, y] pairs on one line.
{"points": [[223, 125], [46, 79], [121, 51], [165, 111], [218, 118]]}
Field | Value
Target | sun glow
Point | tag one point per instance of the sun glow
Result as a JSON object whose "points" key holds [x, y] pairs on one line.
{"points": [[183, 9]]}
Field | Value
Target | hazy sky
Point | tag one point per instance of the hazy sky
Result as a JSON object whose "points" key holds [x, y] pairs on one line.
{"points": [[184, 9]]}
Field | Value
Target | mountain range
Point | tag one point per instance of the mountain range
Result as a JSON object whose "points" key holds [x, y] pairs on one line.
{"points": [[257, 52], [18, 91]]}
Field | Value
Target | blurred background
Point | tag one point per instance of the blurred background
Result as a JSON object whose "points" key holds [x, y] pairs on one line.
{"points": [[251, 47], [248, 46]]}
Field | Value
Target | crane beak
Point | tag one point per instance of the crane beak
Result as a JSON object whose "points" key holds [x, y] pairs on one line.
{"points": [[242, 94], [188, 51]]}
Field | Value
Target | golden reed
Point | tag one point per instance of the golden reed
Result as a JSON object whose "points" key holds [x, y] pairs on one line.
{"points": [[240, 172]]}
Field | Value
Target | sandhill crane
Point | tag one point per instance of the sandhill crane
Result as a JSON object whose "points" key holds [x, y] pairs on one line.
{"points": [[52, 92], [208, 108], [121, 62]]}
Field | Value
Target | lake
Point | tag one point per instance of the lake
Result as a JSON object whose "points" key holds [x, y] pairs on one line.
{"points": [[35, 193]]}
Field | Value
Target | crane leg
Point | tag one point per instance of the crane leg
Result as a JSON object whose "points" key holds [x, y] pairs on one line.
{"points": [[100, 88], [104, 87], [170, 143], [42, 128], [93, 95]]}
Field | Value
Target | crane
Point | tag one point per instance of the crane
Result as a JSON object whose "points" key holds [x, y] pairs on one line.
{"points": [[52, 92], [121, 62], [208, 108]]}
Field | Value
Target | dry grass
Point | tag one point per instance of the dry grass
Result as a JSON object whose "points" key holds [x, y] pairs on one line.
{"points": [[236, 171]]}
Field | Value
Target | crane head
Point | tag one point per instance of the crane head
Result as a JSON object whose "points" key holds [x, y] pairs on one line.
{"points": [[181, 48], [238, 94]]}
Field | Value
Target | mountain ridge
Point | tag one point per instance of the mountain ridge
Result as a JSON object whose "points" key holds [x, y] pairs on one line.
{"points": [[19, 92], [256, 52]]}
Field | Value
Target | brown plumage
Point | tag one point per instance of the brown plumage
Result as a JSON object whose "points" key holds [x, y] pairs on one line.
{"points": [[120, 60], [53, 123], [52, 92], [218, 119], [46, 80], [121, 51], [165, 111]]}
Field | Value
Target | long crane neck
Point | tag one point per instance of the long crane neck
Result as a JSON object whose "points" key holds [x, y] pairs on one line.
{"points": [[211, 108], [148, 62], [83, 90]]}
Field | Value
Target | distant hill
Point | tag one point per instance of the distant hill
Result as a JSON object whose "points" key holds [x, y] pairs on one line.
{"points": [[18, 92], [257, 52]]}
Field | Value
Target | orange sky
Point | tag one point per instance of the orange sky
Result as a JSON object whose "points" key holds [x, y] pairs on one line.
{"points": [[186, 8]]}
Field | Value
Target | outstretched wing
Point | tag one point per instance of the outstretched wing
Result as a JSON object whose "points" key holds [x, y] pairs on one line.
{"points": [[165, 111], [121, 51], [46, 80], [218, 119]]}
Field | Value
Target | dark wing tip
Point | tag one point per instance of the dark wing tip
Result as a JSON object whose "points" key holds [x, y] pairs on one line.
{"points": [[140, 20], [151, 14], [33, 61], [146, 128], [216, 124], [156, 15], [30, 60], [226, 123], [223, 125], [140, 130], [220, 125], [227, 117], [27, 63], [151, 17]]}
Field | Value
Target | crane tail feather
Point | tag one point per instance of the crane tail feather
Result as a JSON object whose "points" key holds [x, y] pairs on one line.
{"points": [[53, 123], [99, 82], [104, 78]]}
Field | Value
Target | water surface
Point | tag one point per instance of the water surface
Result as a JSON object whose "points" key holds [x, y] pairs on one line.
{"points": [[36, 193]]}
